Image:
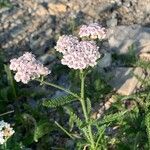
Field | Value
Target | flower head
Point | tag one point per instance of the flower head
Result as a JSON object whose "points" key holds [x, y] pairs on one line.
{"points": [[5, 131], [27, 68], [93, 31], [84, 55], [66, 43]]}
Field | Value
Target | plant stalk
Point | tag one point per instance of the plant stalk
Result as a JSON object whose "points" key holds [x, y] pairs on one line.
{"points": [[60, 88], [82, 100], [64, 130]]}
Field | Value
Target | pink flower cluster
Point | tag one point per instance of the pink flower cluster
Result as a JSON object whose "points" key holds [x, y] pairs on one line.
{"points": [[93, 31], [81, 55], [27, 68], [66, 43]]}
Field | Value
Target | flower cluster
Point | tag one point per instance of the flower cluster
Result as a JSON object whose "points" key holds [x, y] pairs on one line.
{"points": [[81, 54], [66, 43], [84, 54], [5, 132], [93, 31], [27, 68]]}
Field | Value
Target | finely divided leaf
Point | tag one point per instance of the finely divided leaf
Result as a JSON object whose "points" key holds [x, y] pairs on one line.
{"points": [[60, 101]]}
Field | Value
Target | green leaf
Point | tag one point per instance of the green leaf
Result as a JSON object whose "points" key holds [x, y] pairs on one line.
{"points": [[101, 132], [113, 117], [60, 101], [41, 129], [89, 106], [147, 123], [73, 117]]}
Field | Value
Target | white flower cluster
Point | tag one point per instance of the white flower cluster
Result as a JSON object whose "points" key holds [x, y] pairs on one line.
{"points": [[5, 131], [81, 54], [66, 43], [85, 55], [27, 68], [93, 31]]}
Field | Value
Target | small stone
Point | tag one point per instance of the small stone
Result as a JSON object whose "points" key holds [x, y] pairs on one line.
{"points": [[16, 31], [13, 25], [103, 107], [29, 10], [15, 41], [73, 6], [120, 38], [127, 4], [112, 22], [1, 28], [4, 9], [56, 9], [48, 32], [123, 79], [5, 26], [144, 5], [18, 22], [19, 37], [26, 39], [145, 47], [107, 105], [4, 16], [42, 42], [145, 56], [105, 61], [5, 46], [41, 11]]}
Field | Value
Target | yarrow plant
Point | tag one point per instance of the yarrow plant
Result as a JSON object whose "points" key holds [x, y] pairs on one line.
{"points": [[93, 31], [27, 68], [78, 54], [5, 131], [66, 43], [83, 55]]}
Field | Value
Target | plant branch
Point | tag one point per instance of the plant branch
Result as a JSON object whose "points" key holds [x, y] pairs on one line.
{"points": [[64, 130], [59, 87]]}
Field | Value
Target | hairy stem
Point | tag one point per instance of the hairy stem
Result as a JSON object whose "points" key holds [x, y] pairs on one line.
{"points": [[59, 87], [82, 100], [82, 96]]}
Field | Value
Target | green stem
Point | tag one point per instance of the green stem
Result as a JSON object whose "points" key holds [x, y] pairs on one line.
{"points": [[64, 130], [82, 96], [60, 88], [4, 146], [82, 100]]}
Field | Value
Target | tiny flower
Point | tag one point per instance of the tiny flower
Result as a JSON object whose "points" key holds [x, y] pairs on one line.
{"points": [[27, 68], [5, 131], [85, 55], [66, 43], [93, 31]]}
